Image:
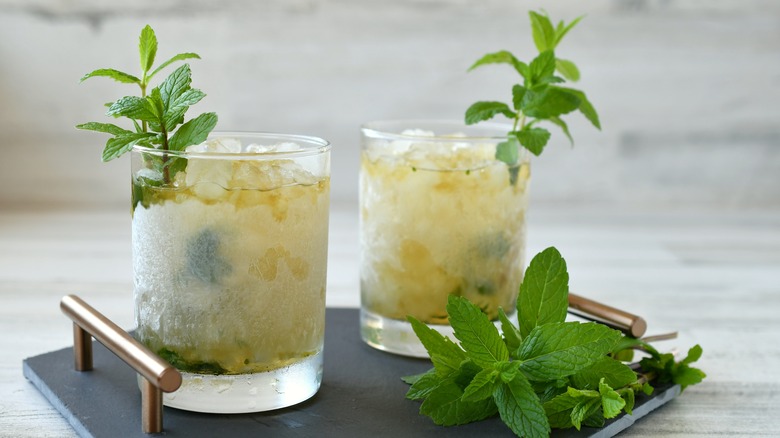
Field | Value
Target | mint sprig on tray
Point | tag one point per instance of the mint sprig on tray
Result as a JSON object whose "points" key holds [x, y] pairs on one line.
{"points": [[157, 117], [540, 97], [546, 373]]}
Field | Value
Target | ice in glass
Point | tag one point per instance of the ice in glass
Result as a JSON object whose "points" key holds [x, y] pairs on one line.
{"points": [[229, 257], [439, 215]]}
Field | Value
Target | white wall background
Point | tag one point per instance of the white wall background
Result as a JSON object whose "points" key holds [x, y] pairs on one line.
{"points": [[688, 91]]}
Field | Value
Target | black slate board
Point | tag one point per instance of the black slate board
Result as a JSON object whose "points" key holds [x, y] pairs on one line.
{"points": [[361, 395]]}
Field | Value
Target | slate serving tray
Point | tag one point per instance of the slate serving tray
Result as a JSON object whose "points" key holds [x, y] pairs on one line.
{"points": [[361, 395]]}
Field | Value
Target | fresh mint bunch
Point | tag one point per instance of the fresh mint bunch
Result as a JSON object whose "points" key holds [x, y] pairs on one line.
{"points": [[157, 117], [540, 97], [546, 373]]}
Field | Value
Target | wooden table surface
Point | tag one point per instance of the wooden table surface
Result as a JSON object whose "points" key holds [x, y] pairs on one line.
{"points": [[713, 276]]}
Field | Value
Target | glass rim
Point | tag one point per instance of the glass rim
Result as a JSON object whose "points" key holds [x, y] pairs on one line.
{"points": [[374, 129], [312, 146]]}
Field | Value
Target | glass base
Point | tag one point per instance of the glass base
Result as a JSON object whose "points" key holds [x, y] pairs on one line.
{"points": [[398, 337], [395, 336], [243, 393]]}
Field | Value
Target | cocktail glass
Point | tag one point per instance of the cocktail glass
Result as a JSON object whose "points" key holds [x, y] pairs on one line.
{"points": [[439, 215], [229, 256]]}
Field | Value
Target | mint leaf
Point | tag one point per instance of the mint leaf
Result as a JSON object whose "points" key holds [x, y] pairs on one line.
{"points": [[511, 334], [630, 398], [508, 151], [611, 371], [487, 110], [113, 74], [552, 102], [567, 69], [558, 411], [543, 32], [147, 48], [533, 139], [686, 376], [557, 350], [175, 85], [564, 127], [179, 57], [518, 94], [174, 115], [583, 410], [542, 66], [445, 407], [103, 127], [193, 132], [694, 354], [482, 386], [507, 370], [477, 335], [502, 57], [445, 355], [137, 108], [561, 30], [537, 99], [423, 385], [585, 107], [520, 409], [119, 145], [611, 402], [544, 292]]}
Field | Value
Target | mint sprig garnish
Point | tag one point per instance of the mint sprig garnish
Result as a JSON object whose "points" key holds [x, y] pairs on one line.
{"points": [[540, 98], [157, 116], [545, 374]]}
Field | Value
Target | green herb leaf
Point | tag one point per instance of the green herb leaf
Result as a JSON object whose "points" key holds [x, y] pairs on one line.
{"points": [[104, 127], [567, 69], [487, 110], [134, 107], [520, 408], [147, 47], [502, 57], [544, 292], [543, 66], [564, 127], [630, 398], [512, 337], [693, 355], [445, 355], [482, 386], [179, 57], [561, 30], [193, 132], [552, 102], [543, 32], [423, 385], [446, 408], [508, 151], [175, 85], [611, 402], [533, 139], [557, 350], [477, 335], [585, 107], [117, 146], [584, 410], [518, 94], [113, 74], [612, 372], [558, 411]]}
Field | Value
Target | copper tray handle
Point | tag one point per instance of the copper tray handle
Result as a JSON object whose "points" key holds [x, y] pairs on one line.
{"points": [[159, 376], [628, 323]]}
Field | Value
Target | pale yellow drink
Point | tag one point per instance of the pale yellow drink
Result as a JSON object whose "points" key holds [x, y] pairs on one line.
{"points": [[230, 272], [439, 216]]}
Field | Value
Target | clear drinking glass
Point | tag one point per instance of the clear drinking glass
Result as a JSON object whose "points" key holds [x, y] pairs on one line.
{"points": [[439, 215], [229, 256]]}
